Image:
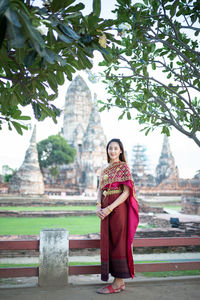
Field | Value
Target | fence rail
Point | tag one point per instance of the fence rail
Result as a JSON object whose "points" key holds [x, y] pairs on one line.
{"points": [[95, 243]]}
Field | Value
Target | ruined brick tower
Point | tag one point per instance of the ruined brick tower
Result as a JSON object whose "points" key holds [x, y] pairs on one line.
{"points": [[28, 180], [82, 130], [166, 168]]}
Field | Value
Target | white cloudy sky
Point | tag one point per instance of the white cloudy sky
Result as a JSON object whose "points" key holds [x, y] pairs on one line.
{"points": [[185, 151]]}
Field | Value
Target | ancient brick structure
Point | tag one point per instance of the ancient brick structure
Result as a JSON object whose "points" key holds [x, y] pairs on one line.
{"points": [[78, 106], [28, 180], [140, 173], [82, 130], [166, 168], [191, 204]]}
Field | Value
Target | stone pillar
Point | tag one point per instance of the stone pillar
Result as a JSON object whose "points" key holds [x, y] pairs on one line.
{"points": [[53, 261]]}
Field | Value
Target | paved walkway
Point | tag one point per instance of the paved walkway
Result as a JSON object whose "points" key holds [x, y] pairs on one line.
{"points": [[187, 288]]}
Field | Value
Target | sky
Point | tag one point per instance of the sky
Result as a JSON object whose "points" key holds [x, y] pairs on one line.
{"points": [[186, 153]]}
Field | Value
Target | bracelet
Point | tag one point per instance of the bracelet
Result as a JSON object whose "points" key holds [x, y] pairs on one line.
{"points": [[99, 204], [109, 208]]}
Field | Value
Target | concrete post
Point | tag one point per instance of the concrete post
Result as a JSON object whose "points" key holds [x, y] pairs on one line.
{"points": [[53, 259]]}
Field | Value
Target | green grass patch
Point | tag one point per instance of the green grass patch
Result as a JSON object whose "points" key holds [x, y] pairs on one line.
{"points": [[84, 263], [167, 206], [149, 261], [47, 208], [29, 226], [171, 273], [17, 265], [173, 207], [147, 226]]}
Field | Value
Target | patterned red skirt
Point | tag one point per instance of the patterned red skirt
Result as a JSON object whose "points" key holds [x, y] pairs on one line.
{"points": [[114, 230]]}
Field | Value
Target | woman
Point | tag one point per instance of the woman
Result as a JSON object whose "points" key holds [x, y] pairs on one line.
{"points": [[118, 210]]}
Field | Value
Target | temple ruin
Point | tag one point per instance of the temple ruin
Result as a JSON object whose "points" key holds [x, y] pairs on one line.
{"points": [[166, 168], [82, 130], [28, 180]]}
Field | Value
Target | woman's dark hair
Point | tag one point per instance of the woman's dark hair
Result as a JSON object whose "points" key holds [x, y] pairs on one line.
{"points": [[122, 155]]}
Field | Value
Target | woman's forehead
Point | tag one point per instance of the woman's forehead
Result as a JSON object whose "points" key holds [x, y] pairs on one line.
{"points": [[114, 144]]}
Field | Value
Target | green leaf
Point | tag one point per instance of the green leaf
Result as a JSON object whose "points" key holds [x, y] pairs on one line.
{"points": [[97, 7], [30, 58], [85, 61], [75, 8], [180, 103], [52, 82], [17, 127], [49, 56], [24, 118], [128, 115], [173, 8], [121, 116], [34, 34], [9, 126], [169, 75], [180, 12], [68, 31], [58, 4], [139, 5], [60, 77], [12, 17], [16, 38], [36, 110], [147, 131], [165, 130], [65, 38], [153, 66], [69, 74], [102, 108]]}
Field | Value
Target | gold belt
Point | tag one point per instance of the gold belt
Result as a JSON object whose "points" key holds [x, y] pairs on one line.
{"points": [[111, 192]]}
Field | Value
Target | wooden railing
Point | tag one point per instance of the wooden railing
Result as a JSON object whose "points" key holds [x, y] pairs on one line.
{"points": [[95, 243]]}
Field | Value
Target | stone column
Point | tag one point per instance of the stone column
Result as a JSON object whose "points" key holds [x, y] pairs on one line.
{"points": [[53, 261]]}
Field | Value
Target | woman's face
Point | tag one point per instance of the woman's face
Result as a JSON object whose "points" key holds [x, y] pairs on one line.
{"points": [[114, 152]]}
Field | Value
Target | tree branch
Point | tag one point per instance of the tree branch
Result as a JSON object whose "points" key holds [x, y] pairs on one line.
{"points": [[153, 79], [170, 46], [191, 28]]}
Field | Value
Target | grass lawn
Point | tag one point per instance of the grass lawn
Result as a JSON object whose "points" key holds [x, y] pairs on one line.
{"points": [[29, 226], [42, 208], [26, 226]]}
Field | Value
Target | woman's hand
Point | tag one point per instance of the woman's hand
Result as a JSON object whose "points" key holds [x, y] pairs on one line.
{"points": [[102, 213]]}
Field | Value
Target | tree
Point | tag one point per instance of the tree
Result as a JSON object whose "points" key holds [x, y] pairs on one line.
{"points": [[53, 152], [39, 45], [8, 173], [155, 71]]}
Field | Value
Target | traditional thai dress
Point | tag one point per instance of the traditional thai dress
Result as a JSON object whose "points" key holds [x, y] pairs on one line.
{"points": [[119, 227]]}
